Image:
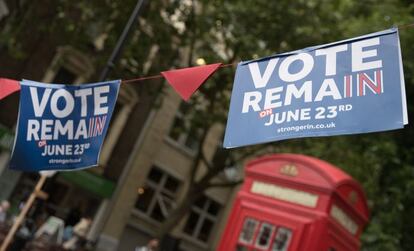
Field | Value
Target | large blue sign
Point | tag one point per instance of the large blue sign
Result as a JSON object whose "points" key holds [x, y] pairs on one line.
{"points": [[62, 127], [347, 87]]}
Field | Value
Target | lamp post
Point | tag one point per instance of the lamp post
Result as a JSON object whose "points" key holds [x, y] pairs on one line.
{"points": [[121, 41], [97, 225]]}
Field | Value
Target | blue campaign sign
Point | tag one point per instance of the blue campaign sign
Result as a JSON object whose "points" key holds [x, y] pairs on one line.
{"points": [[347, 87], [62, 127]]}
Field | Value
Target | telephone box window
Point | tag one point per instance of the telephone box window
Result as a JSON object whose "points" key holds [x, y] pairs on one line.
{"points": [[247, 233], [264, 236], [256, 235], [282, 239]]}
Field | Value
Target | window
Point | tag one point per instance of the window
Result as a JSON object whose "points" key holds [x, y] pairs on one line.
{"points": [[69, 66], [256, 235], [282, 239], [265, 233], [156, 198], [64, 76], [182, 131], [202, 218], [248, 231]]}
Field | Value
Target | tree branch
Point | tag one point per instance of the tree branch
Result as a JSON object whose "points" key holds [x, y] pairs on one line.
{"points": [[225, 184], [199, 156], [205, 160], [193, 35], [254, 150]]}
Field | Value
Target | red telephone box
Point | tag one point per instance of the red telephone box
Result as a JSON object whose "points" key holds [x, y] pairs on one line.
{"points": [[292, 202]]}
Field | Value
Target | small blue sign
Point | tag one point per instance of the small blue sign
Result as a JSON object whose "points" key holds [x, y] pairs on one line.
{"points": [[347, 87], [62, 127]]}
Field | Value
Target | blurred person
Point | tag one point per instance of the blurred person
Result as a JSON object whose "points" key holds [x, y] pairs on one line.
{"points": [[71, 219], [23, 235], [4, 207], [73, 216], [79, 233], [67, 233], [152, 245]]}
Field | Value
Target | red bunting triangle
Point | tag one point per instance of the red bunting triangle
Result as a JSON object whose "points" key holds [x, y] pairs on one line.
{"points": [[186, 81], [8, 86]]}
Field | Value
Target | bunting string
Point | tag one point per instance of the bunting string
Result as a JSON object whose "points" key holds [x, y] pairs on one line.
{"points": [[128, 81], [404, 26], [9, 86]]}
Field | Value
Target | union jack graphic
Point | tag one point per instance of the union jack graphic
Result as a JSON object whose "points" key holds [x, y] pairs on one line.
{"points": [[96, 126]]}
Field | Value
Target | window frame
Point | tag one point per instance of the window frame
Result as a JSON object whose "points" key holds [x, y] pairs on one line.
{"points": [[74, 61], [159, 189], [203, 214], [183, 137], [272, 237]]}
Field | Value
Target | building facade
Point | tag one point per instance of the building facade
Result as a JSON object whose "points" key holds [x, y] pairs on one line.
{"points": [[158, 172]]}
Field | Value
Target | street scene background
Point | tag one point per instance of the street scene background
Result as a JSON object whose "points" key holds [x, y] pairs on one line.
{"points": [[162, 170]]}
